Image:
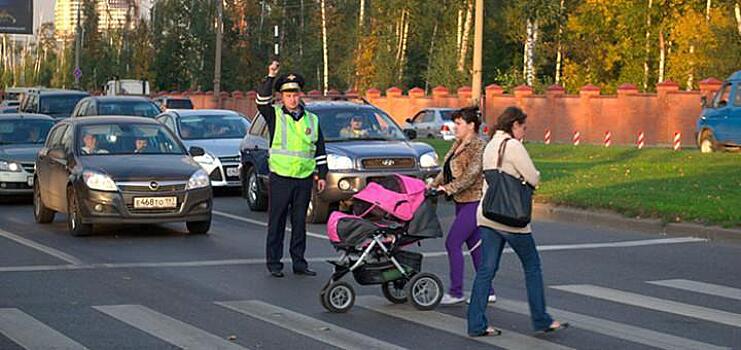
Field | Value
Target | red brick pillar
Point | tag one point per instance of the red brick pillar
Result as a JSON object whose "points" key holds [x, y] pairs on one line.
{"points": [[583, 121]]}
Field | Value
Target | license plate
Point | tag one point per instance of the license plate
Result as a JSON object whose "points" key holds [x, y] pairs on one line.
{"points": [[155, 202], [233, 171], [29, 180]]}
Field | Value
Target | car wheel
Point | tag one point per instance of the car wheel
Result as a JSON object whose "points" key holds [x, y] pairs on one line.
{"points": [[74, 218], [257, 199], [318, 210], [708, 143], [41, 213], [198, 227]]}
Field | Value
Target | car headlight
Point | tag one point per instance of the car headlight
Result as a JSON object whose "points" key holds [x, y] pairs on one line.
{"points": [[98, 181], [199, 179], [12, 167], [207, 158], [337, 162], [428, 160]]}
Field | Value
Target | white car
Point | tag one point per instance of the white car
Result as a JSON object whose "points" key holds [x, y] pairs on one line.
{"points": [[219, 132]]}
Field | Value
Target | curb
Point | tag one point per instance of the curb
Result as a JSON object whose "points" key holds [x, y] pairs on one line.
{"points": [[614, 220]]}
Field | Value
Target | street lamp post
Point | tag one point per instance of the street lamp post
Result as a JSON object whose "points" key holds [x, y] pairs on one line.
{"points": [[78, 45], [478, 41], [219, 36]]}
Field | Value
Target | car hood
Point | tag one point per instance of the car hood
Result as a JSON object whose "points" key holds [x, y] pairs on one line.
{"points": [[217, 147], [365, 149], [20, 153], [142, 167]]}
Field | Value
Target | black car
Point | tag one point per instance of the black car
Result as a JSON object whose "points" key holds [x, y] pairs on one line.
{"points": [[55, 103], [116, 105], [379, 148], [170, 102], [21, 137], [119, 170]]}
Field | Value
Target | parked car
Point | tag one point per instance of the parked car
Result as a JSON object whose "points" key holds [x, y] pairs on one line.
{"points": [[58, 104], [119, 170], [433, 123], [719, 126], [170, 102], [21, 137], [219, 132], [116, 105], [381, 149]]}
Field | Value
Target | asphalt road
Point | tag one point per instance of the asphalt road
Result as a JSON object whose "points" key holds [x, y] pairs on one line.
{"points": [[156, 287]]}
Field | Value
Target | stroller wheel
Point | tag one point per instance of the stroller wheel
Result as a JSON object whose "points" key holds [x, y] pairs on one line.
{"points": [[425, 291], [394, 291], [338, 297]]}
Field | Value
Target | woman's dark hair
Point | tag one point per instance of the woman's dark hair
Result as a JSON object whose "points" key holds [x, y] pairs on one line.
{"points": [[507, 119], [469, 115]]}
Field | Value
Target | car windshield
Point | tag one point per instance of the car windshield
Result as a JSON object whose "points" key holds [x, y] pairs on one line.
{"points": [[351, 124], [213, 126], [133, 108], [447, 114], [24, 131], [126, 138], [179, 104], [59, 104]]}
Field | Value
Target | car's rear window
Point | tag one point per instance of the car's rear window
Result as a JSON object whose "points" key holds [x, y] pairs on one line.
{"points": [[59, 104]]}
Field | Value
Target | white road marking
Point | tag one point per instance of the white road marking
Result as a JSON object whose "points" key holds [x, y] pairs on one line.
{"points": [[453, 325], [307, 326], [32, 334], [42, 248], [651, 303], [613, 329], [701, 287], [262, 223], [164, 327]]}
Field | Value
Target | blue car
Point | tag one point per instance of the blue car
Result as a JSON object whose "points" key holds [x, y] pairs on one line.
{"points": [[719, 126]]}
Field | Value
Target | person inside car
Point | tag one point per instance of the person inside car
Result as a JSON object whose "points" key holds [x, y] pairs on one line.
{"points": [[355, 129], [91, 145], [141, 145]]}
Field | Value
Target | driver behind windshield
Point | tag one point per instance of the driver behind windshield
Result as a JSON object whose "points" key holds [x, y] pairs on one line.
{"points": [[355, 129], [141, 145], [91, 145]]}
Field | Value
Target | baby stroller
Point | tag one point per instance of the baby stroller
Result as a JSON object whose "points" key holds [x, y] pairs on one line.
{"points": [[387, 215]]}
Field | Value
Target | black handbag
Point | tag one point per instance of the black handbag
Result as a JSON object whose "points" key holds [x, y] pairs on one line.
{"points": [[508, 200]]}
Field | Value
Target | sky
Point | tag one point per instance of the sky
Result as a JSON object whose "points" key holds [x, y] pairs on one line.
{"points": [[43, 8]]}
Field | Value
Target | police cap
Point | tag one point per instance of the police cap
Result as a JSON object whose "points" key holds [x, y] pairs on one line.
{"points": [[289, 82]]}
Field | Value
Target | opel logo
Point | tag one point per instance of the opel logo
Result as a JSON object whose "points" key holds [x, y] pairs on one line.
{"points": [[388, 162], [154, 186]]}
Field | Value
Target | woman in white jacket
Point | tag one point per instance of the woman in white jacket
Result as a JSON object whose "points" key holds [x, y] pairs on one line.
{"points": [[511, 126]]}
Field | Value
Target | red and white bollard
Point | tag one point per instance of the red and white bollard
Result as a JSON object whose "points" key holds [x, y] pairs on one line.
{"points": [[547, 137], [608, 138], [577, 138], [641, 140], [677, 141]]}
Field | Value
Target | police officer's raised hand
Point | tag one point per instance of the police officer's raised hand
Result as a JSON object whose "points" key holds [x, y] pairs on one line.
{"points": [[273, 69]]}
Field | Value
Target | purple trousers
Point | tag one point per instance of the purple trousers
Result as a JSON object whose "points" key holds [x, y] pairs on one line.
{"points": [[463, 230]]}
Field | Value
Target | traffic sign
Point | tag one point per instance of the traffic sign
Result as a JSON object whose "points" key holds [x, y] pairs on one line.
{"points": [[77, 73]]}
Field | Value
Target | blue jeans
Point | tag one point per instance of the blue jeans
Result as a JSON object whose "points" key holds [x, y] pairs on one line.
{"points": [[492, 244]]}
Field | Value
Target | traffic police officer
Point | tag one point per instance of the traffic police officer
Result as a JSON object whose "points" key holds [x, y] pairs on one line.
{"points": [[296, 154]]}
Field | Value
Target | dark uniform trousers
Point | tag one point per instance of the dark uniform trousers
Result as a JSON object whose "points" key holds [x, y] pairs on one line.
{"points": [[287, 194]]}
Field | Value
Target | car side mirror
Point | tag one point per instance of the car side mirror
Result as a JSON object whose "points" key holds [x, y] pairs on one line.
{"points": [[196, 151], [410, 120], [410, 133], [704, 101], [722, 103]]}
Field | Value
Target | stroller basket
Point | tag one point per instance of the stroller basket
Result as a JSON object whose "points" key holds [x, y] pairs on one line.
{"points": [[382, 272]]}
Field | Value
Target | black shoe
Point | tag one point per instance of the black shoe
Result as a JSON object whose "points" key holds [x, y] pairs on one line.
{"points": [[305, 272], [277, 274]]}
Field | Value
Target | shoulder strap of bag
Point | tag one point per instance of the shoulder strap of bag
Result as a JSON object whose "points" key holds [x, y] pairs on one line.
{"points": [[502, 148]]}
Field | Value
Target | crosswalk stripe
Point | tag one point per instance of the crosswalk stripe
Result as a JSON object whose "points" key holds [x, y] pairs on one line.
{"points": [[310, 327], [613, 329], [175, 332], [701, 287], [673, 307], [453, 325], [31, 334]]}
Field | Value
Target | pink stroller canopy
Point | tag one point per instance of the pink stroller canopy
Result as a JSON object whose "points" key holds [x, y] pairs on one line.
{"points": [[401, 205]]}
